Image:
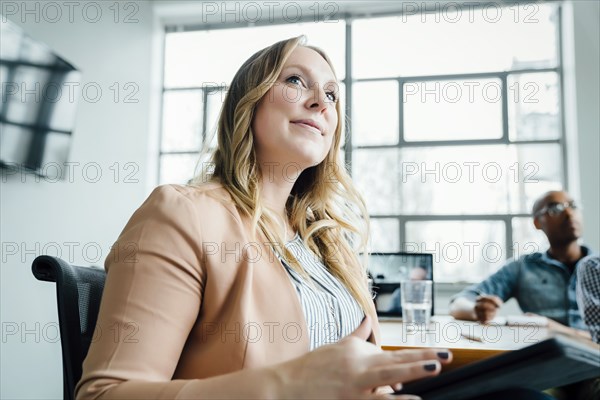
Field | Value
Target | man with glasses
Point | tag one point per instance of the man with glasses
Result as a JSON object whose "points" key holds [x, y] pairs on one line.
{"points": [[542, 283]]}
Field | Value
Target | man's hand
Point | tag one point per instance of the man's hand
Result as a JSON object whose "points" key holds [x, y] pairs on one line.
{"points": [[486, 307]]}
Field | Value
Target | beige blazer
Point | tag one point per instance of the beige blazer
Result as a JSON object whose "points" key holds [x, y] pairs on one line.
{"points": [[189, 295]]}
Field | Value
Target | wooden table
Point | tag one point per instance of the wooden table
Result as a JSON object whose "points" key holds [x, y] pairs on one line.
{"points": [[446, 332]]}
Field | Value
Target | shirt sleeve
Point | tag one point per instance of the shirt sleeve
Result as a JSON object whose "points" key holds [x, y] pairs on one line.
{"points": [[503, 284], [151, 300], [588, 294]]}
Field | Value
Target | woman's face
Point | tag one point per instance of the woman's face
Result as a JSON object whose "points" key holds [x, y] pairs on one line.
{"points": [[295, 121]]}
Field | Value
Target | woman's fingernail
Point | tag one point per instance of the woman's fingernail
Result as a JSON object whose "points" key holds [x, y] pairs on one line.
{"points": [[444, 355], [430, 367]]}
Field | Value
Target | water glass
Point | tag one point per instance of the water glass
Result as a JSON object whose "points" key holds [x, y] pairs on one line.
{"points": [[416, 302]]}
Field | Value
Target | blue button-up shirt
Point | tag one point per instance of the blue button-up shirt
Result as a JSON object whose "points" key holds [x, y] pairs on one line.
{"points": [[539, 283]]}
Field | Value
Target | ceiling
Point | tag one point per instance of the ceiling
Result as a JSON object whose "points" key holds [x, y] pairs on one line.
{"points": [[215, 13]]}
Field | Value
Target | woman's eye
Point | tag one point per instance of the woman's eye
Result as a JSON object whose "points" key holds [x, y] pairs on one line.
{"points": [[295, 79], [331, 96]]}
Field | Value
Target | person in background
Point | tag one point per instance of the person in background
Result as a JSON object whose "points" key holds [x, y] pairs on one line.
{"points": [[418, 274], [543, 283]]}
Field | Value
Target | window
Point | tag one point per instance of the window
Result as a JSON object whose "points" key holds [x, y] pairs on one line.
{"points": [[455, 121]]}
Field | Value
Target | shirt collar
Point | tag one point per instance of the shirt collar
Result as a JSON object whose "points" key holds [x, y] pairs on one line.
{"points": [[545, 257]]}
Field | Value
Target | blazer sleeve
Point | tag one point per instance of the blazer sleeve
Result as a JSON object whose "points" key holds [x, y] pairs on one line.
{"points": [[151, 300]]}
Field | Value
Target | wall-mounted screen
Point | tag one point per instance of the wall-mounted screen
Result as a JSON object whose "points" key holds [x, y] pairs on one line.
{"points": [[39, 96]]}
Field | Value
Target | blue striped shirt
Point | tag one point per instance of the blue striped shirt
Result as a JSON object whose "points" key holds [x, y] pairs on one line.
{"points": [[330, 310]]}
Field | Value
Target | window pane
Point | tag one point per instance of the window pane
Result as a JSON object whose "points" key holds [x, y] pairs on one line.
{"points": [[182, 120], [21, 108], [201, 58], [526, 238], [214, 100], [385, 235], [457, 39], [537, 169], [15, 143], [463, 250], [65, 108], [533, 106], [377, 176], [453, 110], [177, 168], [456, 180], [375, 113]]}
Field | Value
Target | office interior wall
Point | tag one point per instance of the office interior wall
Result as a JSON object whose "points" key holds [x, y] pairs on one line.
{"points": [[81, 216], [581, 61]]}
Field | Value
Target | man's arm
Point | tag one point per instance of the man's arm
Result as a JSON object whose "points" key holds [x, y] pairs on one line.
{"points": [[483, 309], [463, 308], [554, 326], [480, 302]]}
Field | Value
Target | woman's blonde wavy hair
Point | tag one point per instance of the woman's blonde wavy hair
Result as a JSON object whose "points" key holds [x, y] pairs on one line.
{"points": [[324, 207]]}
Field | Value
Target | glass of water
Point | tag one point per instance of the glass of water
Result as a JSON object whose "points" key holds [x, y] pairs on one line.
{"points": [[416, 302]]}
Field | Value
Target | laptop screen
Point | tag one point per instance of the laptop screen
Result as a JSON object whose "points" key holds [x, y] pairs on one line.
{"points": [[389, 269]]}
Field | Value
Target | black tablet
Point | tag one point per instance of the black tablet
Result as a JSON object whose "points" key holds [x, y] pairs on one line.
{"points": [[387, 270], [554, 362]]}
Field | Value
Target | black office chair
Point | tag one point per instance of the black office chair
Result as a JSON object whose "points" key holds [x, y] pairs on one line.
{"points": [[78, 292]]}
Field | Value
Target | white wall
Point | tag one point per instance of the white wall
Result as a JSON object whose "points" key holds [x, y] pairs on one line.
{"points": [[37, 215], [41, 217], [581, 45]]}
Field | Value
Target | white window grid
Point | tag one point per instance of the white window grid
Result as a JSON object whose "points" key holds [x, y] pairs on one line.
{"points": [[507, 219]]}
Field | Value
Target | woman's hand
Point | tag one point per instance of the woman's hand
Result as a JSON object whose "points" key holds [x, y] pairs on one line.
{"points": [[354, 368]]}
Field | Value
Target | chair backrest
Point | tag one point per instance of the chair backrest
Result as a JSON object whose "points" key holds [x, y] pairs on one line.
{"points": [[78, 293]]}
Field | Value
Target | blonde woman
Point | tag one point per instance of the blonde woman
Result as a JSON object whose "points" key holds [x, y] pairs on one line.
{"points": [[246, 284]]}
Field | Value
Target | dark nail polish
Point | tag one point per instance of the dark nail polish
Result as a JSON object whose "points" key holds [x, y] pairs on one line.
{"points": [[444, 355], [430, 367]]}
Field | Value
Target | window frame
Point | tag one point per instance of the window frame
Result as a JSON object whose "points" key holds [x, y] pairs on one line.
{"points": [[349, 148]]}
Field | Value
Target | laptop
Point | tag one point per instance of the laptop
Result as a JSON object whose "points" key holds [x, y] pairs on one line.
{"points": [[387, 270]]}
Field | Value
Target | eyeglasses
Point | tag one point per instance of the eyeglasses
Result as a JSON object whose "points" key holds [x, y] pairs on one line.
{"points": [[554, 209]]}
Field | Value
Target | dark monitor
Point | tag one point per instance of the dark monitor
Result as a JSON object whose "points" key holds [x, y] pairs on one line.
{"points": [[39, 95], [387, 270]]}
